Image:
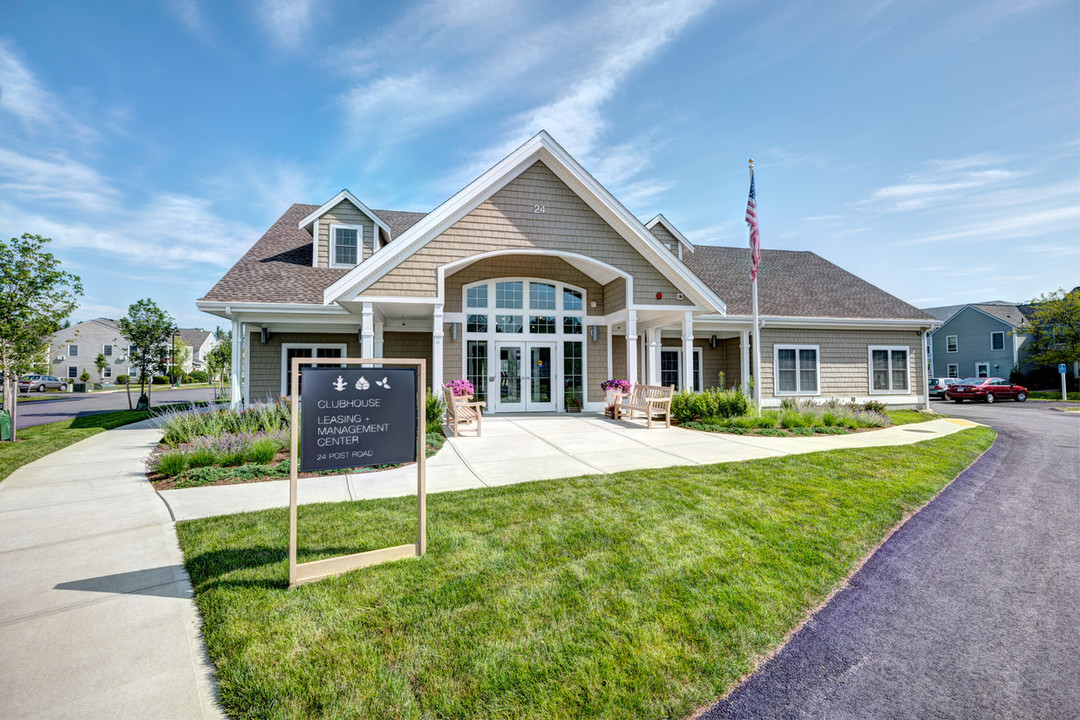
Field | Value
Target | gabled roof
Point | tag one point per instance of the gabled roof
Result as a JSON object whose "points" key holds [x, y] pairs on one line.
{"points": [[663, 222], [349, 197], [277, 268], [1011, 314], [541, 147], [795, 284], [194, 337], [947, 311]]}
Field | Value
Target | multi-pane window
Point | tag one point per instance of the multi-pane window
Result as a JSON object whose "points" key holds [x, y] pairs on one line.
{"points": [[953, 370], [72, 372], [106, 350], [797, 369], [888, 369], [476, 323], [346, 244], [669, 368], [997, 341], [305, 351], [476, 297], [508, 294], [508, 323], [573, 369], [107, 372], [571, 300], [541, 296], [572, 325], [542, 324], [950, 343], [476, 367], [73, 351]]}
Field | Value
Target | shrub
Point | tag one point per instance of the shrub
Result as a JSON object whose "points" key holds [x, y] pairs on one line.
{"points": [[875, 406], [435, 409], [201, 457], [122, 379], [198, 376], [170, 464], [85, 377], [682, 407], [830, 419], [731, 403], [767, 419], [789, 403], [161, 380], [262, 450]]}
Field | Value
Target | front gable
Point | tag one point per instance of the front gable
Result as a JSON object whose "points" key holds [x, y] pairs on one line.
{"points": [[537, 199], [535, 211], [344, 211]]}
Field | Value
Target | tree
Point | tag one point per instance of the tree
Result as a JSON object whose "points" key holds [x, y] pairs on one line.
{"points": [[1055, 328], [101, 363], [219, 359], [35, 294], [179, 355], [148, 329]]}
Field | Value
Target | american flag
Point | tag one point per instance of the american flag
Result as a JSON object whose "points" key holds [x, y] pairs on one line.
{"points": [[755, 238]]}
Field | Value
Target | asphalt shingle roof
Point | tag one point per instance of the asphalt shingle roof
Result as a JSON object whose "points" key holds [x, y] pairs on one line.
{"points": [[277, 268], [794, 284]]}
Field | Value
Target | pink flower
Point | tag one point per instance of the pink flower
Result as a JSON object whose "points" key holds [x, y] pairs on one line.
{"points": [[460, 387]]}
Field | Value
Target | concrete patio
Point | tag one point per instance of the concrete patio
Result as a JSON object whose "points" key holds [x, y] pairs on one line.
{"points": [[522, 448]]}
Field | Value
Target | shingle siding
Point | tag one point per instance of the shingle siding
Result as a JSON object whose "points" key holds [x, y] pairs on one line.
{"points": [[345, 213], [264, 361], [416, 345], [507, 220]]}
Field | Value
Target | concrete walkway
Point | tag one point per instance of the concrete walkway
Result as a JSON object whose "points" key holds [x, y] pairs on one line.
{"points": [[96, 611], [521, 448]]}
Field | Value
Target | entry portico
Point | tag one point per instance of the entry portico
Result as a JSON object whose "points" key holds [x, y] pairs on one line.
{"points": [[536, 284]]}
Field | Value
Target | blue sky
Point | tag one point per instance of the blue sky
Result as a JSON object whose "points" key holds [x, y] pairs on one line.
{"points": [[931, 148]]}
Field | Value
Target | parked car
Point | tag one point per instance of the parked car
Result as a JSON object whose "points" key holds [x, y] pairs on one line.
{"points": [[986, 389], [938, 386], [41, 383]]}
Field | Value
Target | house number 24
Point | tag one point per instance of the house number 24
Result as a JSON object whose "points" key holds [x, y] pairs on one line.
{"points": [[539, 210]]}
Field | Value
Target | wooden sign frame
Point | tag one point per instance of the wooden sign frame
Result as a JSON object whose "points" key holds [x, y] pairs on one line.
{"points": [[300, 573]]}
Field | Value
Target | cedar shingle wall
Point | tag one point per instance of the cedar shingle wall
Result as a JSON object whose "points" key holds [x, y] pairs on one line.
{"points": [[844, 358], [344, 213], [549, 268], [596, 362], [618, 357], [670, 241], [408, 345], [615, 295], [265, 360], [506, 220]]}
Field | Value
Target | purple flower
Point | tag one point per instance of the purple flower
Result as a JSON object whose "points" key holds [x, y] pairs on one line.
{"points": [[616, 385], [460, 387]]}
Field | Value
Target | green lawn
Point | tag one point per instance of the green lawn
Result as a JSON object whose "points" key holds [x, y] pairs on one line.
{"points": [[906, 417], [39, 441], [641, 594]]}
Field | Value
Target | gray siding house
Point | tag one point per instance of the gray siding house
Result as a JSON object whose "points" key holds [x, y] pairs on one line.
{"points": [[534, 282], [978, 340]]}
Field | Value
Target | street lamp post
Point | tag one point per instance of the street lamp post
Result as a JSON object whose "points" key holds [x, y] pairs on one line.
{"points": [[172, 356]]}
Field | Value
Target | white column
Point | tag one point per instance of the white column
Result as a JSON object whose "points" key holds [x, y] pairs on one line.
{"points": [[437, 348], [744, 361], [631, 347], [379, 327], [236, 369], [688, 351], [367, 331], [652, 344], [607, 329]]}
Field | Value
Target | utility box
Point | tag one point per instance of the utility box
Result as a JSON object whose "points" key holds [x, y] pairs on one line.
{"points": [[5, 425], [78, 387]]}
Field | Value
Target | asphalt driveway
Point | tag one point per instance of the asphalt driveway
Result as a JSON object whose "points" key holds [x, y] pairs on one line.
{"points": [[971, 610], [65, 406]]}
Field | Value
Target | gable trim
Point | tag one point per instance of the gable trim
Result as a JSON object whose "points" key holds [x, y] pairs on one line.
{"points": [[663, 221], [344, 195], [956, 314], [541, 147]]}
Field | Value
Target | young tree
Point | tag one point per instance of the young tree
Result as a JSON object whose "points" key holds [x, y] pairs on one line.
{"points": [[1055, 328], [179, 355], [101, 363], [219, 359], [148, 329], [35, 295]]}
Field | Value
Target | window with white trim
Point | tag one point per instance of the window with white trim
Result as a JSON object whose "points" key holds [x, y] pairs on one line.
{"points": [[952, 370], [950, 343], [997, 340], [796, 369], [72, 372], [73, 351], [345, 243], [671, 368], [106, 350], [107, 372], [888, 369], [306, 350]]}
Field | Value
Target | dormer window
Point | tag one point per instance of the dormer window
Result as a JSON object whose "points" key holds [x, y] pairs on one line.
{"points": [[345, 245]]}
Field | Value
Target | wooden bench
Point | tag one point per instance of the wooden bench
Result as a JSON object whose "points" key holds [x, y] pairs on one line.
{"points": [[459, 411], [649, 399]]}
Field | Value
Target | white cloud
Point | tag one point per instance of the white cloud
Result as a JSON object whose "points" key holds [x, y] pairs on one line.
{"points": [[30, 103], [286, 22], [54, 178], [1008, 226]]}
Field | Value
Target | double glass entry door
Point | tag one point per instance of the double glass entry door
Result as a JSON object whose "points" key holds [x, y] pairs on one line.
{"points": [[526, 376]]}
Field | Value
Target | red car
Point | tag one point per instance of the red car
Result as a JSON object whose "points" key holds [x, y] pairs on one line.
{"points": [[985, 389]]}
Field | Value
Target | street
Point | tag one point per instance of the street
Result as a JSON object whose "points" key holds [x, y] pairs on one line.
{"points": [[70, 405], [970, 610]]}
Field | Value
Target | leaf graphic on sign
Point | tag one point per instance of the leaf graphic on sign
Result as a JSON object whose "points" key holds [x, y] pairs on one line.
{"points": [[340, 384], [362, 383], [383, 383]]}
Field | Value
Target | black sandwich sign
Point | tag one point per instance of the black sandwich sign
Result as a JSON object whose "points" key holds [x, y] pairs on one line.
{"points": [[357, 416]]}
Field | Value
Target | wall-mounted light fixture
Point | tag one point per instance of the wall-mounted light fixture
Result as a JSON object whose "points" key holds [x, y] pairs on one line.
{"points": [[453, 331], [264, 335], [595, 333], [712, 342]]}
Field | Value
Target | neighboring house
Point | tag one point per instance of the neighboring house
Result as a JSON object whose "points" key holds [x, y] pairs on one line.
{"points": [[534, 281], [74, 350], [978, 340], [201, 342]]}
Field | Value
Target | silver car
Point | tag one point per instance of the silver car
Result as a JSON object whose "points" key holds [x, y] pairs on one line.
{"points": [[939, 385], [41, 383]]}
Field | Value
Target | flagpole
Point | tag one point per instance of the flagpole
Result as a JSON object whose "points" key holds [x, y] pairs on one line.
{"points": [[756, 335]]}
